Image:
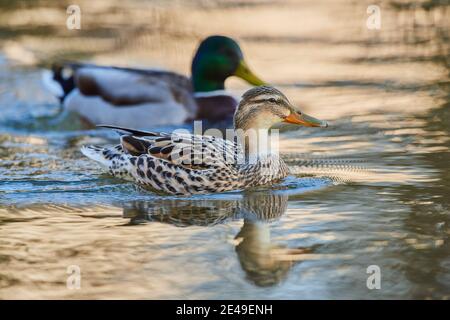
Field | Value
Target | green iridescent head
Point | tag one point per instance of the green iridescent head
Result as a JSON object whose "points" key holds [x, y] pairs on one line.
{"points": [[217, 58]]}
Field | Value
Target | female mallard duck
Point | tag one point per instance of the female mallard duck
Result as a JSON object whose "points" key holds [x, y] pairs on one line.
{"points": [[181, 163], [143, 97]]}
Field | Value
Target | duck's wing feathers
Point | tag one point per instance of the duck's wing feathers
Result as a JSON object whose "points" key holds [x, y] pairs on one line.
{"points": [[186, 150], [122, 87]]}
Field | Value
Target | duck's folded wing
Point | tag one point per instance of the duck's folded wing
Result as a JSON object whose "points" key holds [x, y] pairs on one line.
{"points": [[187, 150], [128, 87]]}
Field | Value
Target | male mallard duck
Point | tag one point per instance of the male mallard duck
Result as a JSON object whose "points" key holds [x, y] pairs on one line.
{"points": [[180, 163], [143, 97]]}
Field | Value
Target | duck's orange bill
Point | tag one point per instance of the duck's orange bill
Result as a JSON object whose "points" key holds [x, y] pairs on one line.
{"points": [[305, 120]]}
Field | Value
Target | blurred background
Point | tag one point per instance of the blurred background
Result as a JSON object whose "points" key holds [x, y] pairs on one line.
{"points": [[372, 189]]}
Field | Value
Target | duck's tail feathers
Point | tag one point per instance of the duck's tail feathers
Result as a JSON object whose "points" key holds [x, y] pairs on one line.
{"points": [[134, 132], [99, 154], [60, 80], [53, 86], [114, 159]]}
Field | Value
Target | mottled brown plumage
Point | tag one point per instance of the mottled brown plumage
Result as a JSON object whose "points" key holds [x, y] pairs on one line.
{"points": [[195, 164]]}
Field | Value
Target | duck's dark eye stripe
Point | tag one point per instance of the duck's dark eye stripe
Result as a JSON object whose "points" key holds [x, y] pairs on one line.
{"points": [[272, 100], [259, 100]]}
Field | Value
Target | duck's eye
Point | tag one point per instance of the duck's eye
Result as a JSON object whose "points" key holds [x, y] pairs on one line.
{"points": [[272, 100]]}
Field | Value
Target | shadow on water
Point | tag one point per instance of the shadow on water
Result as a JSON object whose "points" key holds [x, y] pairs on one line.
{"points": [[265, 262]]}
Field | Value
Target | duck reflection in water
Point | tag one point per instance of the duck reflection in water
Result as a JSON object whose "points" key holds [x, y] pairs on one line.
{"points": [[264, 262]]}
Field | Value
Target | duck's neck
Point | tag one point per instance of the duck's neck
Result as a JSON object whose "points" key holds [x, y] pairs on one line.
{"points": [[259, 144], [205, 77], [261, 160], [202, 84]]}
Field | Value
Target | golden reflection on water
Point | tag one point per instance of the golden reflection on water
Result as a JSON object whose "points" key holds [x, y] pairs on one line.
{"points": [[33, 234]]}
